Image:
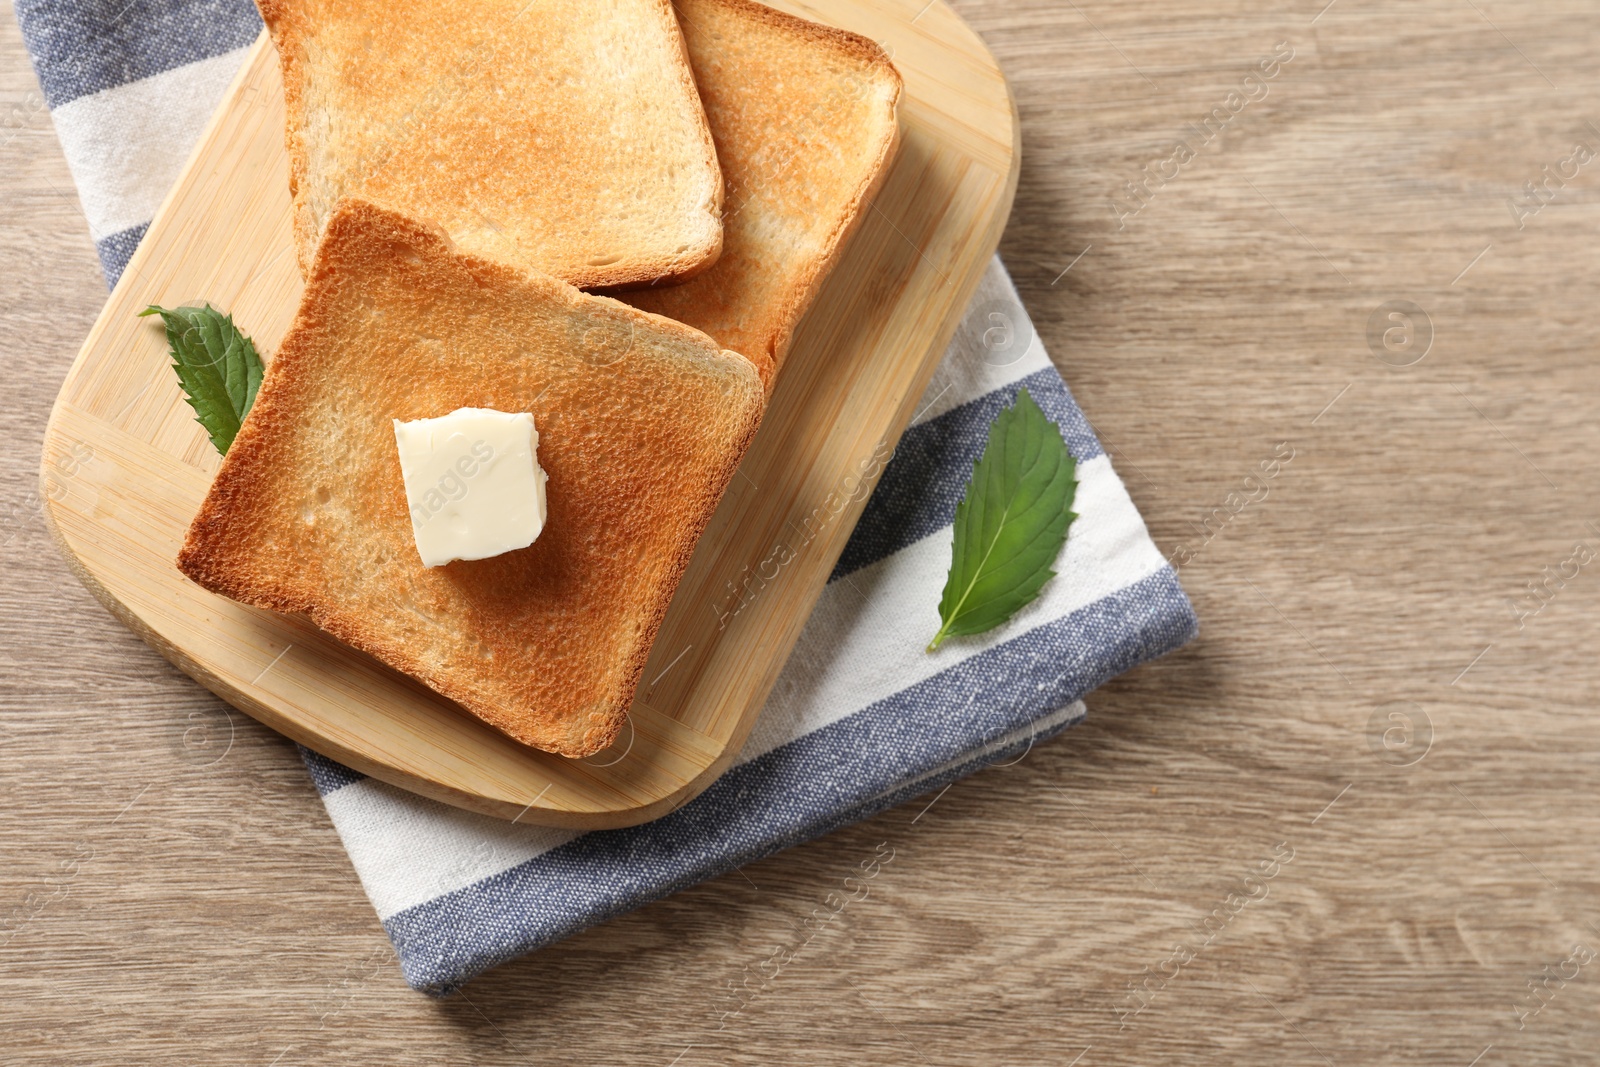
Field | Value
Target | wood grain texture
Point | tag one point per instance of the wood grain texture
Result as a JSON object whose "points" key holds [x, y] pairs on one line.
{"points": [[217, 920], [125, 465]]}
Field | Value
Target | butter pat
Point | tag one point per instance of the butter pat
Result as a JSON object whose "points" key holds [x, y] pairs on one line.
{"points": [[473, 483]]}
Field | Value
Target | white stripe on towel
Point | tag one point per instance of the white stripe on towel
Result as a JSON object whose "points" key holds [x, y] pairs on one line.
{"points": [[126, 146]]}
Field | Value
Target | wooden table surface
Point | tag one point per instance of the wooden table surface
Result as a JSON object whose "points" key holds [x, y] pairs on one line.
{"points": [[1355, 822]]}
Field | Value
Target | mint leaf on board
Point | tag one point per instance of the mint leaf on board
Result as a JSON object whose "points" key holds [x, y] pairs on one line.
{"points": [[217, 367], [1011, 523]]}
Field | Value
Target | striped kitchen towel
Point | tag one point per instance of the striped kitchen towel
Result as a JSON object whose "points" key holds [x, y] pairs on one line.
{"points": [[861, 717]]}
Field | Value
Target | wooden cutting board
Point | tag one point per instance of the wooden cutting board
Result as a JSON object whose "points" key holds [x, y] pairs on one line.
{"points": [[125, 465]]}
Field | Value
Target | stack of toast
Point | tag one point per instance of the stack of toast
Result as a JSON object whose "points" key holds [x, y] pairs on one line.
{"points": [[460, 179]]}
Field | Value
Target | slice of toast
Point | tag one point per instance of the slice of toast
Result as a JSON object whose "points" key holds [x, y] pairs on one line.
{"points": [[564, 136], [641, 423], [804, 121]]}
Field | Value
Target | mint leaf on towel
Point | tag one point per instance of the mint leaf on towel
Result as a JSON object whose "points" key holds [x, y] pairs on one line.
{"points": [[1011, 523], [217, 367]]}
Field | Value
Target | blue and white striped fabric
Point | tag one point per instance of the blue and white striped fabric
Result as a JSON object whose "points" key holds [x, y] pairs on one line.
{"points": [[861, 717]]}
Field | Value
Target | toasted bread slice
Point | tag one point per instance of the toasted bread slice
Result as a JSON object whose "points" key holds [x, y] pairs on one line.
{"points": [[641, 423], [804, 120], [564, 136]]}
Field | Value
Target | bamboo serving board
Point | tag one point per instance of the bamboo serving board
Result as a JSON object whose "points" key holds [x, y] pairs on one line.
{"points": [[125, 466]]}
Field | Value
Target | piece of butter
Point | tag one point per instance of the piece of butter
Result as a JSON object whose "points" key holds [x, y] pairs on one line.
{"points": [[473, 483]]}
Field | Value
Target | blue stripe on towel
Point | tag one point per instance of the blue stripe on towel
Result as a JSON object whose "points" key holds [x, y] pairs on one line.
{"points": [[116, 250], [326, 774], [789, 794], [88, 46]]}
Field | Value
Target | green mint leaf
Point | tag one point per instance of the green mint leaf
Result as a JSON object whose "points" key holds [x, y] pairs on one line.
{"points": [[1011, 523], [217, 367]]}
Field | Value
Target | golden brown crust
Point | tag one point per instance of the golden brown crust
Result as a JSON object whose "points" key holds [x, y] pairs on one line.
{"points": [[863, 48], [562, 210], [642, 422], [805, 121], [276, 15]]}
